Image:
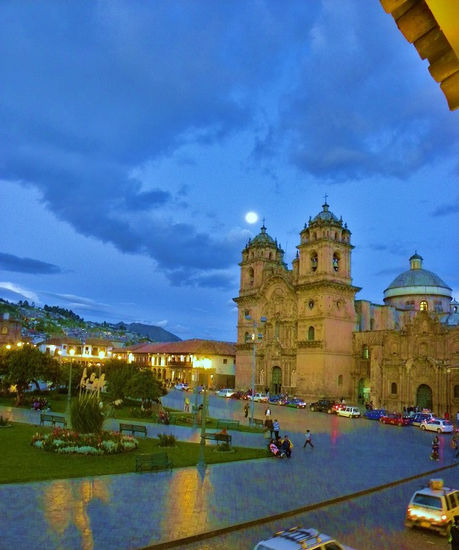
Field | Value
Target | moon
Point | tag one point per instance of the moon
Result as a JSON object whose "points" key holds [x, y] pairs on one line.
{"points": [[251, 217]]}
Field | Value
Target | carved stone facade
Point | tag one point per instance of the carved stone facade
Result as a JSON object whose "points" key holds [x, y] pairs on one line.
{"points": [[303, 333]]}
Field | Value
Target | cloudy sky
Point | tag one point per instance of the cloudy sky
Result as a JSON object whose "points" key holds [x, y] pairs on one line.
{"points": [[135, 136]]}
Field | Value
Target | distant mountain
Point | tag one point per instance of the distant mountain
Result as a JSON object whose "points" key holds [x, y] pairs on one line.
{"points": [[155, 334], [38, 324]]}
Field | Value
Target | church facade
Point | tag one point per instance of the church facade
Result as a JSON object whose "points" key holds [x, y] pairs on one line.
{"points": [[301, 331]]}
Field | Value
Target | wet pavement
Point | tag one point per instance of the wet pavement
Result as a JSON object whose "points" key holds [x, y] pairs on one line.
{"points": [[138, 510]]}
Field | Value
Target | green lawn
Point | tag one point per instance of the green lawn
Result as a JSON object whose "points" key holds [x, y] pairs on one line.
{"points": [[20, 462]]}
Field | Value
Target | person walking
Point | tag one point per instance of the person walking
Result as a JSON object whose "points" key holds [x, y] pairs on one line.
{"points": [[267, 412], [435, 449], [276, 429], [454, 534], [308, 440]]}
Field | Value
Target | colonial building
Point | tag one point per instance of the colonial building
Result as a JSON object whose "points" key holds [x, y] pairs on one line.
{"points": [[195, 361], [301, 331]]}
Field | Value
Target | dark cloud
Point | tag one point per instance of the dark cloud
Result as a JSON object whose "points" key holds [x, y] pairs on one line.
{"points": [[91, 91], [447, 209], [355, 116], [189, 277], [9, 262]]}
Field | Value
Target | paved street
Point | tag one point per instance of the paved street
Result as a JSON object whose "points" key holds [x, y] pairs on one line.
{"points": [[138, 510]]}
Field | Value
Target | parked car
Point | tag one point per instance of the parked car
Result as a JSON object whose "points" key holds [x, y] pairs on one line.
{"points": [[375, 414], [395, 419], [261, 397], [323, 405], [225, 392], [349, 412], [433, 507], [298, 538], [296, 403], [274, 399], [238, 395], [418, 418], [438, 425], [337, 407]]}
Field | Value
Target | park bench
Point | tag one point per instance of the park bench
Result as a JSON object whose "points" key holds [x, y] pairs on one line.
{"points": [[258, 422], [53, 418], [157, 461], [218, 437], [133, 428], [228, 424]]}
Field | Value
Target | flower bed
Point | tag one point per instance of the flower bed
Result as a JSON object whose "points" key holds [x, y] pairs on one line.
{"points": [[65, 441]]}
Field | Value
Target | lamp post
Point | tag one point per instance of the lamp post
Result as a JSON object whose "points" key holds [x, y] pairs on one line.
{"points": [[69, 390], [101, 357], [204, 364], [255, 336]]}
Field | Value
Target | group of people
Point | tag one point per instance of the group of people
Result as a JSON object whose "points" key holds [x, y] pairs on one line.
{"points": [[281, 448], [40, 404]]}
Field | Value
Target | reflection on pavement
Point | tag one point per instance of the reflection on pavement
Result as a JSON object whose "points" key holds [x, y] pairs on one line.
{"points": [[65, 503]]}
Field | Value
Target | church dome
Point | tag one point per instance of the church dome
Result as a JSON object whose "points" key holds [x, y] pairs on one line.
{"points": [[325, 215], [263, 239], [417, 281]]}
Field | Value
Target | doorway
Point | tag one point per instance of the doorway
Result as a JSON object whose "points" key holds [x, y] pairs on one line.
{"points": [[424, 397], [276, 381]]}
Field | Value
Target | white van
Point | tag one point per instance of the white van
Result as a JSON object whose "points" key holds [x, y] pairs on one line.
{"points": [[350, 412], [298, 538]]}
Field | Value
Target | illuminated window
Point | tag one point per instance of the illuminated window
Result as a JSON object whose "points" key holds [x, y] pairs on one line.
{"points": [[393, 388], [311, 333], [4, 330], [423, 306], [365, 352]]}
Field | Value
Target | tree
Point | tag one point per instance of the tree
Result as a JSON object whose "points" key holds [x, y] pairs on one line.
{"points": [[144, 385], [118, 374], [26, 365]]}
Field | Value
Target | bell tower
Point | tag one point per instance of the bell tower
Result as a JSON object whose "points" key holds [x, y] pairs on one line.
{"points": [[326, 305]]}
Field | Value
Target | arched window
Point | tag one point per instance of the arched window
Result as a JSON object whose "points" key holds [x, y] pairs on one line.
{"points": [[311, 333], [247, 337], [365, 352], [456, 391], [340, 380], [4, 330], [393, 388], [423, 306], [314, 261], [251, 276], [336, 259], [276, 329]]}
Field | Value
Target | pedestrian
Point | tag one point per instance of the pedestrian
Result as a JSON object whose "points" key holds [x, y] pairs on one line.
{"points": [[246, 410], [435, 449], [454, 534], [269, 426], [308, 440], [286, 447], [267, 412], [276, 428]]}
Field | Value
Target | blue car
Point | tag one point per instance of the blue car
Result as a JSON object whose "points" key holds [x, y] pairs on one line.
{"points": [[375, 414]]}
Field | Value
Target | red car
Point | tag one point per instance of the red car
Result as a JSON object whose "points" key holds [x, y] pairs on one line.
{"points": [[395, 419]]}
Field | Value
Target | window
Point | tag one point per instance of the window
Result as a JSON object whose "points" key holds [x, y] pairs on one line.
{"points": [[247, 337], [336, 259], [340, 380], [409, 304], [225, 361], [251, 276], [372, 324], [423, 306], [311, 304], [314, 261], [456, 391], [4, 330], [393, 388], [438, 306], [365, 352], [311, 333]]}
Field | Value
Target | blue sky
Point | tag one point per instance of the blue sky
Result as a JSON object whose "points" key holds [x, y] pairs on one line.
{"points": [[135, 136]]}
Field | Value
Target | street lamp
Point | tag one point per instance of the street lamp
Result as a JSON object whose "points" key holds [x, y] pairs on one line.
{"points": [[69, 390], [255, 336], [204, 364]]}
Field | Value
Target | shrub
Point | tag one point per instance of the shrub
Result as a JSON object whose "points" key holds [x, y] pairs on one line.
{"points": [[4, 421], [167, 440], [86, 414], [137, 412], [61, 440]]}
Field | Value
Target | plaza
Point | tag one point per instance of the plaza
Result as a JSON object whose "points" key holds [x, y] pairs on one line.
{"points": [[183, 508]]}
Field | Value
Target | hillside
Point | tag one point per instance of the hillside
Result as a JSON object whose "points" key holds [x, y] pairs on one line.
{"points": [[38, 324]]}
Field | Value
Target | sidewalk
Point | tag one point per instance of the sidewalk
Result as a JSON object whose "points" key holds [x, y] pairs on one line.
{"points": [[138, 510]]}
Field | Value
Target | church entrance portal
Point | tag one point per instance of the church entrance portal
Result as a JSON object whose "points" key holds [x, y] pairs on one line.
{"points": [[276, 380], [424, 397], [363, 391]]}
